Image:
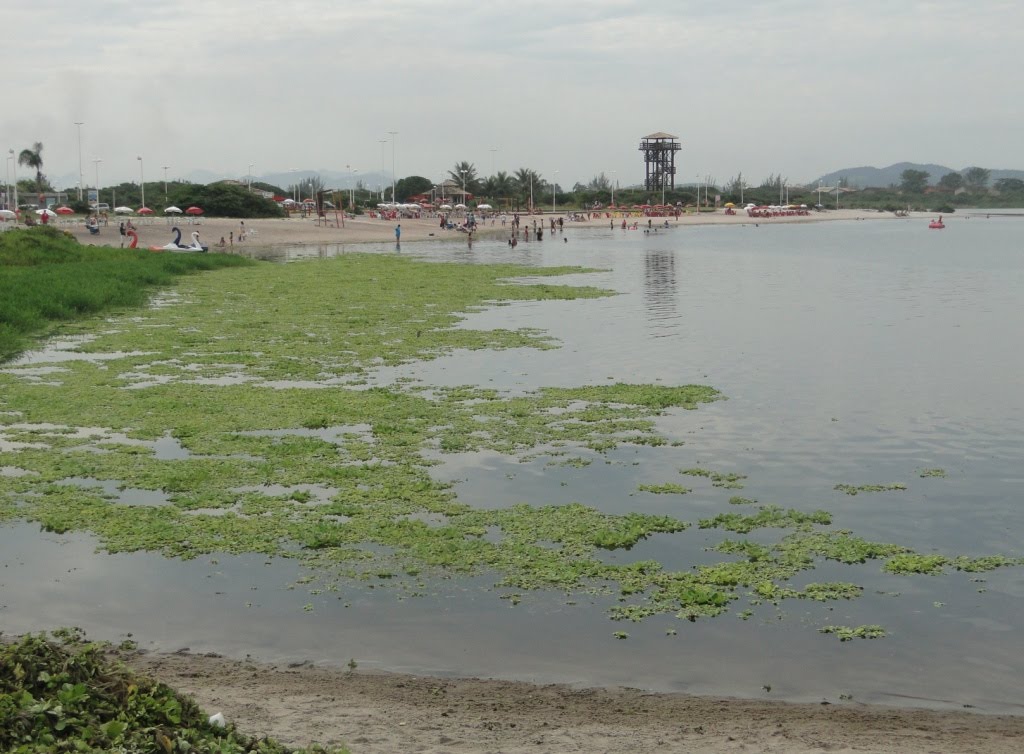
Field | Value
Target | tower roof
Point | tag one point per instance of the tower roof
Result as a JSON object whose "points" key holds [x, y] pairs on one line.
{"points": [[660, 135]]}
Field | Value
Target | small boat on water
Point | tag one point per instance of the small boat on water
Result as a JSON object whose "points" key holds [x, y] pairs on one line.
{"points": [[177, 246], [937, 224]]}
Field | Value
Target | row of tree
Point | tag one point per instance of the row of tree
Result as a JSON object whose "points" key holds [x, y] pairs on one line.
{"points": [[973, 180]]}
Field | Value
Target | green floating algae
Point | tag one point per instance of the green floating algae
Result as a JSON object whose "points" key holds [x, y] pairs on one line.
{"points": [[262, 380]]}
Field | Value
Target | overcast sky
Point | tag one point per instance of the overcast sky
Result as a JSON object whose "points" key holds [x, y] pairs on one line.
{"points": [[796, 87]]}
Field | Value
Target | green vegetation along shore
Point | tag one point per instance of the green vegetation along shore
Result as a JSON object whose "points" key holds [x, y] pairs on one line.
{"points": [[47, 277], [64, 694]]}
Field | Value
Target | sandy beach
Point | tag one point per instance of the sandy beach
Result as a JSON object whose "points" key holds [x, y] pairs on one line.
{"points": [[156, 231], [375, 713]]}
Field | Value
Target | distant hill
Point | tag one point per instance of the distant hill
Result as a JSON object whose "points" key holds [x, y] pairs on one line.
{"points": [[868, 177]]}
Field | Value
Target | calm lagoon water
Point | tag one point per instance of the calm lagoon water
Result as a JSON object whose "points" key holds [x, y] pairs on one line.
{"points": [[854, 353]]}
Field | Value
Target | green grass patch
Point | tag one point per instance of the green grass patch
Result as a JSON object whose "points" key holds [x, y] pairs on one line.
{"points": [[47, 277]]}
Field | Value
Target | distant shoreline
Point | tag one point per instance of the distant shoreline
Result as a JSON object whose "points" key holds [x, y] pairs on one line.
{"points": [[156, 231]]}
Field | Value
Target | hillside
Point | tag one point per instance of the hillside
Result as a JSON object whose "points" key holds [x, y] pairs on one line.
{"points": [[867, 176]]}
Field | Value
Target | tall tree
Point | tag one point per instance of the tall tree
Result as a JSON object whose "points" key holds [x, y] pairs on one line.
{"points": [[1009, 185], [412, 186], [951, 182], [976, 178], [33, 158], [465, 172], [526, 179], [913, 181]]}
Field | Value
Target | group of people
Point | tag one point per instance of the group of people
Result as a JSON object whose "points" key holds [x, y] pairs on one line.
{"points": [[537, 230]]}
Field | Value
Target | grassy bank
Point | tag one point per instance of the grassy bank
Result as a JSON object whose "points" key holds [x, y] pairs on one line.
{"points": [[48, 277]]}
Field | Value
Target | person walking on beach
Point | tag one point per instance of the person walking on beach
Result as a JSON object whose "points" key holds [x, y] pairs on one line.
{"points": [[241, 231], [398, 233], [123, 234]]}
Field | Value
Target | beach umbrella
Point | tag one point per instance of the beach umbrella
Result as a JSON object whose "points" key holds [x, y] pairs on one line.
{"points": [[7, 214], [729, 204], [172, 210], [65, 211], [483, 206], [145, 211], [47, 212], [445, 206], [123, 210], [193, 210], [460, 206]]}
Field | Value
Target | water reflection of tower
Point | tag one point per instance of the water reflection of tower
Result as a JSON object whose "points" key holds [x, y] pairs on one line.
{"points": [[660, 291]]}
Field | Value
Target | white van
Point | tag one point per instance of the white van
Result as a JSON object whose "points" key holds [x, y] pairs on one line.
{"points": [[101, 207]]}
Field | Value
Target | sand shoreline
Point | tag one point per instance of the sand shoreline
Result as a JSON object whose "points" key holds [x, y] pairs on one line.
{"points": [[383, 713], [156, 231]]}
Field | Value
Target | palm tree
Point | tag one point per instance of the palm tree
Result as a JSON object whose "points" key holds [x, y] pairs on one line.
{"points": [[33, 158], [527, 182], [471, 181], [503, 184]]}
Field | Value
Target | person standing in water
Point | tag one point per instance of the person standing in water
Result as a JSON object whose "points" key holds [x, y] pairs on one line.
{"points": [[398, 233]]}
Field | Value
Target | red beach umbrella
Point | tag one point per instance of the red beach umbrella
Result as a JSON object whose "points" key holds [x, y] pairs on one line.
{"points": [[64, 211], [194, 211], [145, 211]]}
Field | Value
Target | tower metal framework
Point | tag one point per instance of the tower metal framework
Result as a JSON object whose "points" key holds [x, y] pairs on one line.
{"points": [[660, 160]]}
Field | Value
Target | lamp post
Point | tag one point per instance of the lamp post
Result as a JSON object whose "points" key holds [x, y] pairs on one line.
{"points": [[463, 186], [531, 192], [613, 188], [353, 189], [554, 187], [79, 124], [819, 193], [697, 185], [393, 139], [142, 182], [165, 182], [14, 168], [251, 166], [96, 163]]}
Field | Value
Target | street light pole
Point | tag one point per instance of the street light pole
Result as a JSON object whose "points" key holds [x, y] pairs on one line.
{"points": [[251, 166], [463, 186], [353, 192], [142, 182], [554, 187], [613, 188], [394, 134], [79, 124], [165, 182], [531, 192], [96, 162], [14, 168]]}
